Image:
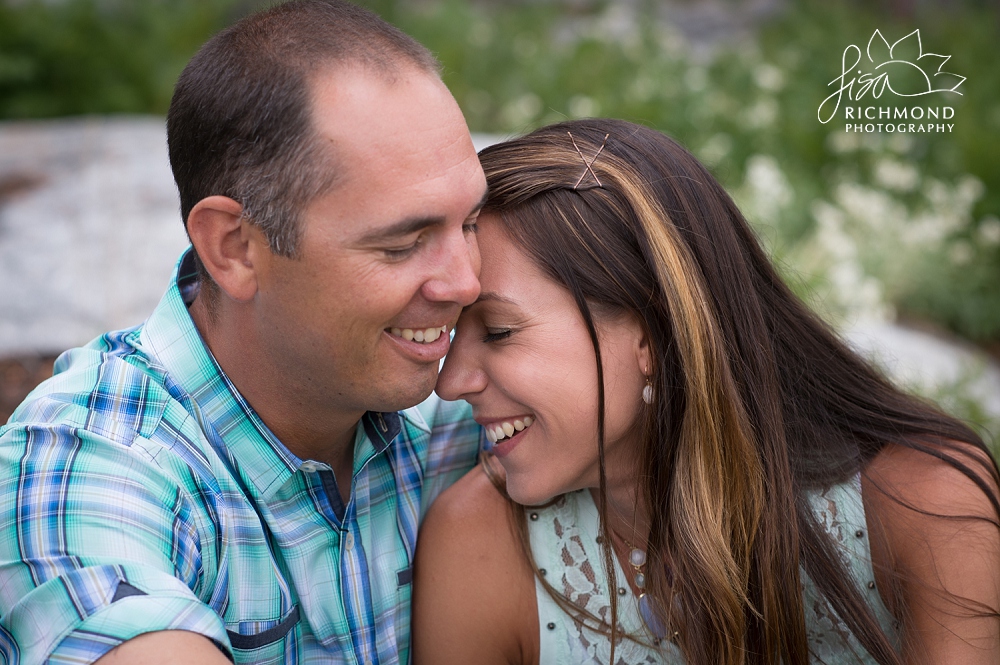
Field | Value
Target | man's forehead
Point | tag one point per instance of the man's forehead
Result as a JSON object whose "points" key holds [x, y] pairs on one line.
{"points": [[364, 108], [403, 150]]}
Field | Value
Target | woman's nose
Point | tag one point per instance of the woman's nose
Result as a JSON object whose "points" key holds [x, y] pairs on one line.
{"points": [[461, 376]]}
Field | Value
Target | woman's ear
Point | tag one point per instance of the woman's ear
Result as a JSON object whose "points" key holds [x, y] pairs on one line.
{"points": [[226, 244], [643, 355]]}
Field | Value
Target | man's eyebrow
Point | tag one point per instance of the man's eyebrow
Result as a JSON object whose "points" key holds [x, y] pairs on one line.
{"points": [[405, 227], [398, 229]]}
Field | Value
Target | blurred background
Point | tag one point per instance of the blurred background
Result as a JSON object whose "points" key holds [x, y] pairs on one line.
{"points": [[894, 238]]}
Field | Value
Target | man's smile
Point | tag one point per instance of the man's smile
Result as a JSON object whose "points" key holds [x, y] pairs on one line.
{"points": [[419, 335]]}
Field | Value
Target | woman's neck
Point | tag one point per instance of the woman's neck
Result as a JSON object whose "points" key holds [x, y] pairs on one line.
{"points": [[627, 512], [627, 515]]}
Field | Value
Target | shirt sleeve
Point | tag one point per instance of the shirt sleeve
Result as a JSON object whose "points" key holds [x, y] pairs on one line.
{"points": [[97, 545], [455, 442]]}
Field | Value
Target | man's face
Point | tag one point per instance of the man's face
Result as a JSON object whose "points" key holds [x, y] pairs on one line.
{"points": [[388, 256]]}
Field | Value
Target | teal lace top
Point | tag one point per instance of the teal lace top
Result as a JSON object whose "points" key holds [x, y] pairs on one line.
{"points": [[564, 544]]}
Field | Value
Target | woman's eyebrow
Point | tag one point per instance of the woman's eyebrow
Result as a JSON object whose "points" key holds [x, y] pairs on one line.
{"points": [[491, 296]]}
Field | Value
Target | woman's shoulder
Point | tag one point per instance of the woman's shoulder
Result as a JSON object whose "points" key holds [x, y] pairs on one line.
{"points": [[932, 480], [473, 504], [474, 589], [935, 536]]}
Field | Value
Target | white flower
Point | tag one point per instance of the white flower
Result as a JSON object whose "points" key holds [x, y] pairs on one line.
{"points": [[768, 188], [926, 229], [830, 232], [716, 149], [761, 114], [768, 77], [843, 142], [853, 293], [617, 25], [521, 111], [873, 208], [893, 174], [671, 41], [960, 253], [989, 231], [900, 143], [582, 106], [969, 190]]}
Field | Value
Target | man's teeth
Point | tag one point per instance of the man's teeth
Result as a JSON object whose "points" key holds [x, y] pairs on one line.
{"points": [[422, 335], [506, 429]]}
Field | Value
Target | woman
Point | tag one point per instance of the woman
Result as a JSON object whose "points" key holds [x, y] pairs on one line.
{"points": [[694, 468]]}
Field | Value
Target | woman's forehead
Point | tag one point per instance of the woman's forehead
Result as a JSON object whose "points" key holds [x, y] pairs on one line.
{"points": [[509, 277]]}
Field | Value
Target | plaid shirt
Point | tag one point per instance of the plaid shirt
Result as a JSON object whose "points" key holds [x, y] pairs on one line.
{"points": [[140, 492]]}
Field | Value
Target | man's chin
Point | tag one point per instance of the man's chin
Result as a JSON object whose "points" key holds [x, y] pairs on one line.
{"points": [[413, 392]]}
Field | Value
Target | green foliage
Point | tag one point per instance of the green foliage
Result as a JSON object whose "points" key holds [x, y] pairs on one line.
{"points": [[93, 56], [861, 224], [749, 110]]}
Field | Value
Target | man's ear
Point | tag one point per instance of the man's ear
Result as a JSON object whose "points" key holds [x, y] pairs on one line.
{"points": [[226, 245]]}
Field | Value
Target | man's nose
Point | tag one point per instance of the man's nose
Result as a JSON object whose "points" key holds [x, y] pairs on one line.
{"points": [[457, 278]]}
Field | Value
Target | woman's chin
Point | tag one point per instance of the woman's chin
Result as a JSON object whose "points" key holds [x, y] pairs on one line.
{"points": [[528, 493]]}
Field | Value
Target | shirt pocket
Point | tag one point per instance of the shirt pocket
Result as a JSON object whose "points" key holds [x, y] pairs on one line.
{"points": [[269, 641]]}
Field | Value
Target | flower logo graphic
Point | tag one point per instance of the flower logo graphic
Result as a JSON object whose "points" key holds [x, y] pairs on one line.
{"points": [[901, 68]]}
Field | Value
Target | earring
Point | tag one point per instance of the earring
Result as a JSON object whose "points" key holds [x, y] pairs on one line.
{"points": [[647, 391]]}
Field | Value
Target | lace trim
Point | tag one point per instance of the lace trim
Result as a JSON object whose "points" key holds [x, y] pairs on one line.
{"points": [[585, 587], [564, 540]]}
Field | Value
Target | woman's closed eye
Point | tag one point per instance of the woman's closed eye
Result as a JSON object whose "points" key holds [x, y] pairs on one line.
{"points": [[496, 335]]}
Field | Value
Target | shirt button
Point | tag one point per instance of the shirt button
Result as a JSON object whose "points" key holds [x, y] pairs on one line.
{"points": [[308, 467], [349, 541]]}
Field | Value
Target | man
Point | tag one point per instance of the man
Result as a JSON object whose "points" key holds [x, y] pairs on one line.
{"points": [[232, 478]]}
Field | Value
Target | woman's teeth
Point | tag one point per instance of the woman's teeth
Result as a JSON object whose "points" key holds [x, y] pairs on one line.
{"points": [[422, 335], [506, 429]]}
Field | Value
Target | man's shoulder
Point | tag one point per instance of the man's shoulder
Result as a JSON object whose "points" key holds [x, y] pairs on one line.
{"points": [[110, 417], [445, 433], [437, 416], [447, 443], [107, 379], [110, 388]]}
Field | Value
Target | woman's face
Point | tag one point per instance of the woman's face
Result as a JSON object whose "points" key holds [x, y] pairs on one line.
{"points": [[523, 358]]}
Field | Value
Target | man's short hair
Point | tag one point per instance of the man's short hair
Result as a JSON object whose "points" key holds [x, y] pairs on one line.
{"points": [[239, 123]]}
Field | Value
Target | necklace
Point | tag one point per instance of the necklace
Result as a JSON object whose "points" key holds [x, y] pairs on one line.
{"points": [[647, 610]]}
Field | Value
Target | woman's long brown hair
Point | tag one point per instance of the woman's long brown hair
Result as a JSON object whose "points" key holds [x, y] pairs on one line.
{"points": [[756, 400]]}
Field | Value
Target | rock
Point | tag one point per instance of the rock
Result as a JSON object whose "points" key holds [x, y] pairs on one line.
{"points": [[930, 365], [90, 229]]}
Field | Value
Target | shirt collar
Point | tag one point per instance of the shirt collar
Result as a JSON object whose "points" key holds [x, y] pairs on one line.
{"points": [[228, 421]]}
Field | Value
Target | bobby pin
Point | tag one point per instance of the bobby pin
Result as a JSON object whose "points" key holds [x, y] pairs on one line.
{"points": [[587, 165]]}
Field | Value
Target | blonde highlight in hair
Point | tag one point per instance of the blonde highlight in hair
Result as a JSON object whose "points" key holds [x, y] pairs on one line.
{"points": [[718, 493], [755, 401]]}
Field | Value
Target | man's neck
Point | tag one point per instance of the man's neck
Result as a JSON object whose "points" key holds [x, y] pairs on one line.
{"points": [[310, 430]]}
